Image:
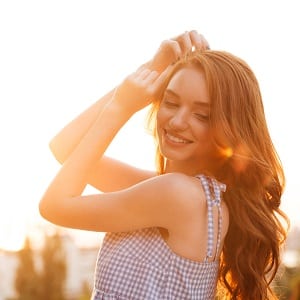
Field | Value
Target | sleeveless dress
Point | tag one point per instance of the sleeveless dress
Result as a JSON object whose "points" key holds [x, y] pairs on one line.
{"points": [[139, 265]]}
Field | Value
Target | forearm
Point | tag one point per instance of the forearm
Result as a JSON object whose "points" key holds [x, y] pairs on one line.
{"points": [[63, 144], [73, 175], [170, 50], [132, 95]]}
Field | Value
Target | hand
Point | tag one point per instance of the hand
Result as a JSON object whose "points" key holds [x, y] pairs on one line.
{"points": [[173, 49], [139, 89]]}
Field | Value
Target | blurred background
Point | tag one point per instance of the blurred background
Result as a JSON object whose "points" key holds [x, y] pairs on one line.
{"points": [[59, 56]]}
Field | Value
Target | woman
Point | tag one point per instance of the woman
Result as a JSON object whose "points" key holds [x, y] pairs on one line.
{"points": [[176, 233]]}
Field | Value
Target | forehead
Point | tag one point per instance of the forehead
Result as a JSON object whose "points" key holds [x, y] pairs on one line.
{"points": [[189, 83]]}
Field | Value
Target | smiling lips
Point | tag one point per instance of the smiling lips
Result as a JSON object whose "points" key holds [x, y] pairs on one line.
{"points": [[176, 139]]}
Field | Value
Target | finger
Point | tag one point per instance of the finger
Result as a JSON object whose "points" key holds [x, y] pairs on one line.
{"points": [[160, 79], [198, 40], [170, 48], [168, 52], [205, 43], [185, 43], [152, 76], [143, 73]]}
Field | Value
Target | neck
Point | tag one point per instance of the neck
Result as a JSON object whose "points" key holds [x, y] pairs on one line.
{"points": [[183, 167], [190, 169]]}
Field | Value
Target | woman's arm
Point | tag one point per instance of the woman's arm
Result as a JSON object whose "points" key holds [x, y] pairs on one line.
{"points": [[110, 174], [153, 202], [161, 201], [69, 137], [136, 92]]}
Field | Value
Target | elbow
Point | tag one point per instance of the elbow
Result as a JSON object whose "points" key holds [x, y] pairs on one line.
{"points": [[47, 210], [44, 212], [56, 152], [52, 210]]}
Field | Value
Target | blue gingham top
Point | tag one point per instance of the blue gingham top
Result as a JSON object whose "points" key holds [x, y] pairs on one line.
{"points": [[139, 265]]}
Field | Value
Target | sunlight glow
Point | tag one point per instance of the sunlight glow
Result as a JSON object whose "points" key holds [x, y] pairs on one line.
{"points": [[227, 152], [46, 81], [291, 258], [12, 238]]}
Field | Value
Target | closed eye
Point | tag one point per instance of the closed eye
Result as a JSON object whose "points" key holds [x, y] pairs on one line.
{"points": [[169, 103], [202, 117]]}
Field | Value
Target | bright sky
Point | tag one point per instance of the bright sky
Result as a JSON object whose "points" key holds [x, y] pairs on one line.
{"points": [[59, 56]]}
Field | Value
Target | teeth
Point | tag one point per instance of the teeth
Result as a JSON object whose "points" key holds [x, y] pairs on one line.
{"points": [[176, 139]]}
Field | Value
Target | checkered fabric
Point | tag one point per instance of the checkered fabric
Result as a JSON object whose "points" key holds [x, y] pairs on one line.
{"points": [[139, 265], [212, 189]]}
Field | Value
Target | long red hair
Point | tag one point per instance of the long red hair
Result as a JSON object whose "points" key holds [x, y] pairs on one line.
{"points": [[250, 168]]}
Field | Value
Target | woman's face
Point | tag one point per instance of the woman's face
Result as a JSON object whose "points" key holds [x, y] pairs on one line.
{"points": [[184, 134]]}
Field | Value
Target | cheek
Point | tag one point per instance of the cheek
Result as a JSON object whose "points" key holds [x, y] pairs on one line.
{"points": [[201, 130], [160, 117], [205, 138]]}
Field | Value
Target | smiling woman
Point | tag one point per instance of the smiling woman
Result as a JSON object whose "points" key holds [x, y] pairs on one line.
{"points": [[179, 219], [45, 82], [186, 103]]}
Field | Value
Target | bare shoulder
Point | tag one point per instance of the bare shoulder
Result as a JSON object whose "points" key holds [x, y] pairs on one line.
{"points": [[190, 213], [111, 175], [179, 180], [185, 193], [187, 198]]}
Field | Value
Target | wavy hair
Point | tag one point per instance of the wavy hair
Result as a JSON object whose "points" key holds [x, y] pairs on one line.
{"points": [[250, 168]]}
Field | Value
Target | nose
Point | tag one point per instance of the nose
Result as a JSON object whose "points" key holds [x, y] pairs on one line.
{"points": [[179, 121]]}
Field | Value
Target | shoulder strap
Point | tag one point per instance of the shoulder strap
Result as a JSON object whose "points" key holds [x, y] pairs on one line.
{"points": [[212, 189]]}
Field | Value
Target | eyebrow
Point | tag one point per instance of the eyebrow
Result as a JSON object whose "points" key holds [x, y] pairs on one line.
{"points": [[198, 103]]}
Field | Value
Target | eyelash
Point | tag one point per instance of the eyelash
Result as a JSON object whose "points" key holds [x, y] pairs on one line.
{"points": [[170, 103], [201, 117]]}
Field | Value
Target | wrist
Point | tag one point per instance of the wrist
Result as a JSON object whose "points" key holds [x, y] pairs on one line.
{"points": [[126, 99], [117, 110]]}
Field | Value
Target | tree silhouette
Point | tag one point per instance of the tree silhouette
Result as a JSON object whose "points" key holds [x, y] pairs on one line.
{"points": [[26, 278], [49, 282], [53, 275]]}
